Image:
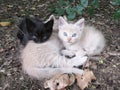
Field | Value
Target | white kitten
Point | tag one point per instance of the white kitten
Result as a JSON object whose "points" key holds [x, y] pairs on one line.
{"points": [[80, 39], [44, 60]]}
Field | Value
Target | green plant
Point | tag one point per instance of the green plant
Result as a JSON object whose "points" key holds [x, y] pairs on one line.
{"points": [[72, 8], [117, 12]]}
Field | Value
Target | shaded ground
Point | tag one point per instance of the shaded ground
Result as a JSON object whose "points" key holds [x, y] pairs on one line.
{"points": [[11, 75]]}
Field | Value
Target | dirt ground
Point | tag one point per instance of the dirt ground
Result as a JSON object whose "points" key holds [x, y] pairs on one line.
{"points": [[105, 66]]}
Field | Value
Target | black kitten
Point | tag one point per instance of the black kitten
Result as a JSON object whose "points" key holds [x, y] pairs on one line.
{"points": [[34, 29]]}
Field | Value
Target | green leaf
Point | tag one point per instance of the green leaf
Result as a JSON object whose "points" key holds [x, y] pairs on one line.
{"points": [[71, 12], [67, 3], [91, 11], [52, 8], [61, 2], [95, 3], [101, 61], [72, 16], [68, 10], [117, 14], [115, 2], [79, 9], [84, 3], [59, 11]]}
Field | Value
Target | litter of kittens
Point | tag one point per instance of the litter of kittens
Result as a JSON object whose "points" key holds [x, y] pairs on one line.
{"points": [[61, 81]]}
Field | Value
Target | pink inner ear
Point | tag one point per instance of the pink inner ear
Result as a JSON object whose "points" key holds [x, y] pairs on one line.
{"points": [[81, 24], [52, 17], [61, 21]]}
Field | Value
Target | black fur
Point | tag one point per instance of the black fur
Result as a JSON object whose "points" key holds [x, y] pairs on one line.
{"points": [[34, 29]]}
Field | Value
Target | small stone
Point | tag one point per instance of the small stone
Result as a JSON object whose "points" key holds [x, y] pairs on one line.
{"points": [[114, 66], [3, 71], [21, 78], [1, 50]]}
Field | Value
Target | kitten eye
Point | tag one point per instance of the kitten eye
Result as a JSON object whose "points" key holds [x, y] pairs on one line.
{"points": [[65, 34], [74, 35]]}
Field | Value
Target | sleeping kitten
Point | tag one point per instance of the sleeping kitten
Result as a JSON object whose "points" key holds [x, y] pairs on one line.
{"points": [[43, 60], [80, 39]]}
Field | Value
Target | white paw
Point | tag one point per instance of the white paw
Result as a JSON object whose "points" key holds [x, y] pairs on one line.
{"points": [[81, 53], [77, 61], [67, 53]]}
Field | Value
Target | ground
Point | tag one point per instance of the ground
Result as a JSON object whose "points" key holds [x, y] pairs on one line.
{"points": [[106, 66]]}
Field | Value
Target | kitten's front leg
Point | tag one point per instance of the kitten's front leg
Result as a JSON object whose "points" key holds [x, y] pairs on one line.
{"points": [[68, 53], [81, 53], [77, 61]]}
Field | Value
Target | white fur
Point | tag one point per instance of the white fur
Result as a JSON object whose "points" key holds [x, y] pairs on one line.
{"points": [[39, 60], [88, 40]]}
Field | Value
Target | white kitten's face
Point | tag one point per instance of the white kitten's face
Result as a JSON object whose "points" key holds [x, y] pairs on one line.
{"points": [[70, 33]]}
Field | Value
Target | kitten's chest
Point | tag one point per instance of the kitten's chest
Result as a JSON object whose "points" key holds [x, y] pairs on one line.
{"points": [[72, 47]]}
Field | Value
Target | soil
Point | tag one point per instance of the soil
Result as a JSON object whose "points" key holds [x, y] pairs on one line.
{"points": [[105, 66]]}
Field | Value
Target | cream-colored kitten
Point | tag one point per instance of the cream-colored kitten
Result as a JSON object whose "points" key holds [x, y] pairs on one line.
{"points": [[80, 39], [43, 60]]}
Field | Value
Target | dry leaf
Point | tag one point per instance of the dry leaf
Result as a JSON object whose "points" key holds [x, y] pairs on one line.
{"points": [[33, 8], [85, 79], [10, 6], [4, 24], [60, 82]]}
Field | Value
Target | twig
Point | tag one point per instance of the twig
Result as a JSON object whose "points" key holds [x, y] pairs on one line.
{"points": [[114, 53], [96, 58]]}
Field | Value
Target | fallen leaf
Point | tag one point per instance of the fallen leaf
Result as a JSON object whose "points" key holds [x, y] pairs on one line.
{"points": [[93, 66], [101, 61], [4, 24], [10, 6], [60, 81], [85, 79], [33, 8]]}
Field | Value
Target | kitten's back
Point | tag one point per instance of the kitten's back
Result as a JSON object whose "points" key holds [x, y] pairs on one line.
{"points": [[93, 40]]}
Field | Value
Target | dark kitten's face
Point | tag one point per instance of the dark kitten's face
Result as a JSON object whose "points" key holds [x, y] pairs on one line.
{"points": [[34, 29]]}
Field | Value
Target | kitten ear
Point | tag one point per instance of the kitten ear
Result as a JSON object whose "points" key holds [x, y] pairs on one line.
{"points": [[61, 21], [26, 25], [30, 25], [49, 24], [52, 17], [21, 25], [81, 23]]}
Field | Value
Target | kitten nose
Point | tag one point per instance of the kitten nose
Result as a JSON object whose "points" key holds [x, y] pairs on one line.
{"points": [[69, 39]]}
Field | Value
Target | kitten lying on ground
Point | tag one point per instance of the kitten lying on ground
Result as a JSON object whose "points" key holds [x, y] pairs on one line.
{"points": [[34, 29], [43, 60], [80, 39]]}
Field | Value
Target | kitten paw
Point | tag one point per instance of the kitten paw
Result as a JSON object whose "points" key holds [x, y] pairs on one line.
{"points": [[77, 61], [68, 53]]}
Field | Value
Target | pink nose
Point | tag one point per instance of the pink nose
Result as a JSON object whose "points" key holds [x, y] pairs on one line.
{"points": [[69, 39]]}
